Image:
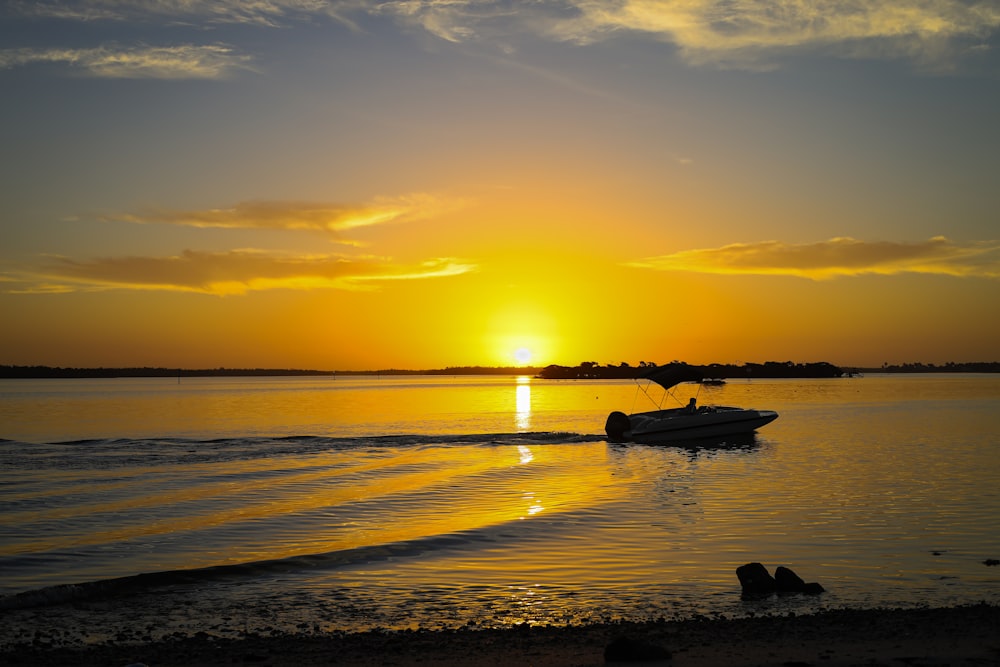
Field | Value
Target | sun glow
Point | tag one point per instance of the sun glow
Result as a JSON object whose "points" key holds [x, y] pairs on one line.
{"points": [[522, 349], [523, 356]]}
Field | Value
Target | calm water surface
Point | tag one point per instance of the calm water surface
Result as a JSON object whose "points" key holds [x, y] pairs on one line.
{"points": [[316, 504]]}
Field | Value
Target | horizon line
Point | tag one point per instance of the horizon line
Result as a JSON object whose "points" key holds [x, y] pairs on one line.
{"points": [[167, 371]]}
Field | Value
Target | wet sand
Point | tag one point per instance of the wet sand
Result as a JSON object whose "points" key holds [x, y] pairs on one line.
{"points": [[967, 635]]}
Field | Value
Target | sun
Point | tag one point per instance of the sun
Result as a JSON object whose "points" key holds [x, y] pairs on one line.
{"points": [[522, 355]]}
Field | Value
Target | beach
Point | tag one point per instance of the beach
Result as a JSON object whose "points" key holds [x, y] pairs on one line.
{"points": [[967, 635]]}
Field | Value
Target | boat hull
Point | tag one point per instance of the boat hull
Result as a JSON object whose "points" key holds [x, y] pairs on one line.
{"points": [[679, 424]]}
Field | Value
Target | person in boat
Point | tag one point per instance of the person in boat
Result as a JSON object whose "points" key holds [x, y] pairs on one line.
{"points": [[692, 406]]}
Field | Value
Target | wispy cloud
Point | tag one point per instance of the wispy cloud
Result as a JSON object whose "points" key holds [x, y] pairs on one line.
{"points": [[836, 257], [729, 33], [308, 216], [749, 33], [188, 61], [255, 12], [242, 271], [457, 20], [224, 273]]}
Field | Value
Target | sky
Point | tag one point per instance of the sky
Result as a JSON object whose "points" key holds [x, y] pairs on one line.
{"points": [[347, 185]]}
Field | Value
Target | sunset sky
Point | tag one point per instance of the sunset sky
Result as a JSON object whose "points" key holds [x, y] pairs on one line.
{"points": [[421, 184]]}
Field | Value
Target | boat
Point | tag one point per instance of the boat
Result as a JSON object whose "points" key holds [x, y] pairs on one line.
{"points": [[689, 422]]}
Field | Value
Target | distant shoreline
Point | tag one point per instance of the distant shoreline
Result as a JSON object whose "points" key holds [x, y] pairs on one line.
{"points": [[47, 372], [587, 370]]}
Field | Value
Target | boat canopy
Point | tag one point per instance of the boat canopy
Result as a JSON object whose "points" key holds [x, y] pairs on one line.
{"points": [[674, 374]]}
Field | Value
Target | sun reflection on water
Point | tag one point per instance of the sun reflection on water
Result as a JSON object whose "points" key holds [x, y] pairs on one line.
{"points": [[534, 505], [522, 403], [525, 453]]}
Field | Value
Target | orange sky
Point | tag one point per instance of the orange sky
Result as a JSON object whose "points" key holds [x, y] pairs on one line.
{"points": [[342, 187]]}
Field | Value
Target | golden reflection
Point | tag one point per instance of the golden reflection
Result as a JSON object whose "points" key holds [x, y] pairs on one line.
{"points": [[534, 505], [526, 455], [522, 403]]}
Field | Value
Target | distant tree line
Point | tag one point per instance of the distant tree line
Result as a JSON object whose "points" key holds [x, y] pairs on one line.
{"points": [[452, 370], [59, 372], [950, 367], [769, 369], [40, 372]]}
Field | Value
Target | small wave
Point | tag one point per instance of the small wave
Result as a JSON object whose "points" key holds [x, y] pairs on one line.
{"points": [[300, 443], [120, 452], [132, 584], [555, 437]]}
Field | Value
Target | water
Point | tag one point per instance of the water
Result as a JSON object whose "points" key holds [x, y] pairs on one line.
{"points": [[146, 507]]}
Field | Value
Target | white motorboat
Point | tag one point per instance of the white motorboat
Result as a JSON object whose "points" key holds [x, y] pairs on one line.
{"points": [[690, 422]]}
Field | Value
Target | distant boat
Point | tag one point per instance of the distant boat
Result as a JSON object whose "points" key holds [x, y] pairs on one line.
{"points": [[690, 422], [712, 382]]}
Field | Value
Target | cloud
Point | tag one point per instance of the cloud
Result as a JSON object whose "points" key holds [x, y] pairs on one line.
{"points": [[750, 34], [187, 61], [730, 33], [836, 257], [225, 273], [453, 20], [309, 216], [271, 13], [242, 271]]}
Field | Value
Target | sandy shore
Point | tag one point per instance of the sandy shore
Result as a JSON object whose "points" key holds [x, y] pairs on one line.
{"points": [[959, 636]]}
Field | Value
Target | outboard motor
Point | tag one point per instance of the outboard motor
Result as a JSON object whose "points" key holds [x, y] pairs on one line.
{"points": [[617, 425]]}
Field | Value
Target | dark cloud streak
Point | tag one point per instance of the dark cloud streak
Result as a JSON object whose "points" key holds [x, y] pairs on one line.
{"points": [[309, 216], [224, 273]]}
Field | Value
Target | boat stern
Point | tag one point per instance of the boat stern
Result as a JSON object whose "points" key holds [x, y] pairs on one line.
{"points": [[618, 427]]}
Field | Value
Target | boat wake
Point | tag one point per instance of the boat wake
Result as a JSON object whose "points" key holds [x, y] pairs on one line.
{"points": [[109, 453], [104, 589]]}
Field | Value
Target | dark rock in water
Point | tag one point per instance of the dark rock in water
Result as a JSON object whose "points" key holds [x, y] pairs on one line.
{"points": [[812, 588], [990, 562], [787, 581], [756, 581], [624, 649]]}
